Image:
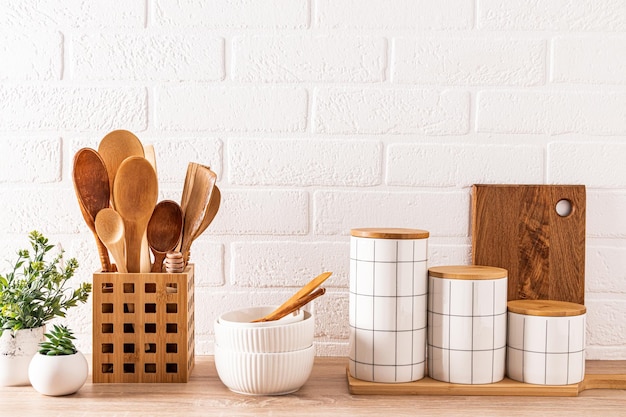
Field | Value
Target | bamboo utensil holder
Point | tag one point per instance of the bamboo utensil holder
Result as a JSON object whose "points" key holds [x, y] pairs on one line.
{"points": [[143, 327]]}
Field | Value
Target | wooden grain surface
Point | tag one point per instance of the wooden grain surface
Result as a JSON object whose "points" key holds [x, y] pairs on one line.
{"points": [[325, 393], [546, 308], [517, 227]]}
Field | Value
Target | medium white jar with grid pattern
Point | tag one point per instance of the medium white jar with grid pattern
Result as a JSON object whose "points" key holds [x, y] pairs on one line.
{"points": [[546, 342], [388, 294], [467, 314]]}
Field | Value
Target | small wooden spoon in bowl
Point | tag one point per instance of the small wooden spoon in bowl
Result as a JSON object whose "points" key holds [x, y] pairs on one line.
{"points": [[164, 231], [305, 295]]}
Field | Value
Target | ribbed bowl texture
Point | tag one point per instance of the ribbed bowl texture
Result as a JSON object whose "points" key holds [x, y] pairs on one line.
{"points": [[264, 373]]}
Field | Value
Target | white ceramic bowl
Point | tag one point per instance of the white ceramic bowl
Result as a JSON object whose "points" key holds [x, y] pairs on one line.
{"points": [[244, 316], [264, 373], [266, 339]]}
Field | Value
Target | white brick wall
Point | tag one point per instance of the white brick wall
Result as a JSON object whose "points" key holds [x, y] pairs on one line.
{"points": [[320, 116]]}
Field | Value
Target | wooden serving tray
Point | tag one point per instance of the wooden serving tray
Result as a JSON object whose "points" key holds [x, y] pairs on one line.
{"points": [[506, 387]]}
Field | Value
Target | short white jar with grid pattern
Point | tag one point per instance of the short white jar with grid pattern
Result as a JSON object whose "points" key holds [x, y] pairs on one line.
{"points": [[388, 295], [467, 314], [546, 342]]}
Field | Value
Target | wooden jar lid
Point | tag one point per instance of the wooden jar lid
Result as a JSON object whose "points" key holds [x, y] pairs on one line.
{"points": [[546, 308], [389, 233], [474, 272]]}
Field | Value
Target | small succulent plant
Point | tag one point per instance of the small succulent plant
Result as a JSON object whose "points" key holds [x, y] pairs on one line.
{"points": [[59, 342]]}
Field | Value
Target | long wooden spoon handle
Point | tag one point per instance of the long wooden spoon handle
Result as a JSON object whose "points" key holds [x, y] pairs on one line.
{"points": [[105, 261], [299, 303], [307, 289]]}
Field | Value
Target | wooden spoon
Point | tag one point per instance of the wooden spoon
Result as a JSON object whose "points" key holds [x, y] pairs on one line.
{"points": [[135, 192], [303, 296], [91, 185], [164, 231], [189, 176], [110, 228], [214, 206], [114, 148], [196, 211]]}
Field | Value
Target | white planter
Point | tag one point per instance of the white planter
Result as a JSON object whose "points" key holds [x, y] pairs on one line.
{"points": [[16, 351], [58, 375]]}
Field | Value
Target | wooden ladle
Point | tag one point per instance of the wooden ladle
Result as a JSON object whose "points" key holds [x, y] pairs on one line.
{"points": [[164, 231], [110, 228], [305, 295], [135, 193], [114, 148], [91, 184]]}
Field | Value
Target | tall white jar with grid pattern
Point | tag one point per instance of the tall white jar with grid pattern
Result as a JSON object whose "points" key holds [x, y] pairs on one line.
{"points": [[467, 323], [388, 295]]}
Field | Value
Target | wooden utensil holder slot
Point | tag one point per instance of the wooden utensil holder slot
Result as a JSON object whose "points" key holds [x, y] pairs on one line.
{"points": [[143, 327]]}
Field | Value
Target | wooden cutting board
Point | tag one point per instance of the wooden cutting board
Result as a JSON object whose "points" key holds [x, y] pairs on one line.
{"points": [[517, 227]]}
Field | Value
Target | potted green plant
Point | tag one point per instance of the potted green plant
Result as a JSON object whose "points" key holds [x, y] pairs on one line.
{"points": [[34, 292], [58, 368]]}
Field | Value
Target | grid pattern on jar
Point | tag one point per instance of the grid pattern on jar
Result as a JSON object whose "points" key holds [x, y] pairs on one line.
{"points": [[546, 350], [143, 327], [388, 293], [467, 330]]}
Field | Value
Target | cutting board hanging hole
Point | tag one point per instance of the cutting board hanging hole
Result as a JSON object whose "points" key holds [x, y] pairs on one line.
{"points": [[563, 207]]}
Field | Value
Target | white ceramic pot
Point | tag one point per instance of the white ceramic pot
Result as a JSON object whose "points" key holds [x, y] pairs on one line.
{"points": [[16, 351], [467, 324], [58, 375], [388, 294], [546, 342]]}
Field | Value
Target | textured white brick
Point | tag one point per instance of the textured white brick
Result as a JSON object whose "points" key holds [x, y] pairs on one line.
{"points": [[596, 60], [289, 264], [606, 214], [30, 56], [30, 160], [449, 254], [331, 312], [394, 14], [551, 112], [234, 109], [574, 15], [595, 164], [261, 212], [137, 56], [73, 13], [325, 59], [49, 210], [304, 162], [244, 14], [40, 107], [605, 269], [606, 321], [208, 259], [467, 61], [442, 214], [441, 165], [391, 111], [174, 154]]}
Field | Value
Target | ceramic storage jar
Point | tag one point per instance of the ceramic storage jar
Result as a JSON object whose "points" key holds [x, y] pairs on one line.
{"points": [[546, 342], [388, 294], [467, 323]]}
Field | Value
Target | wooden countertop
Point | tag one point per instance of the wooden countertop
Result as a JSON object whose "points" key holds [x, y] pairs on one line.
{"points": [[325, 393]]}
